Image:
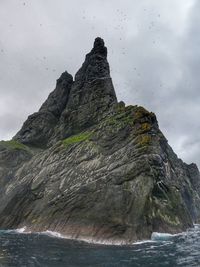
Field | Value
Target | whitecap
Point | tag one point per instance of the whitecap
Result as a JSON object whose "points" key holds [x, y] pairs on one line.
{"points": [[143, 242], [21, 230], [155, 236], [196, 226], [53, 234]]}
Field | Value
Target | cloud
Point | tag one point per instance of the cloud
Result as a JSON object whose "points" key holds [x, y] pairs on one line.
{"points": [[153, 53]]}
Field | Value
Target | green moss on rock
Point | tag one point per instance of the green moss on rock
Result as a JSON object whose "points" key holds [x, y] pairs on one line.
{"points": [[120, 119], [12, 144], [76, 138]]}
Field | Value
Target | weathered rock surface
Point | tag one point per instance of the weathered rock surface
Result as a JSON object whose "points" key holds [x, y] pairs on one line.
{"points": [[92, 94], [39, 127], [98, 170]]}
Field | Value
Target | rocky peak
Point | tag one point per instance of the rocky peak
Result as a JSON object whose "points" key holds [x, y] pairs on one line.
{"points": [[73, 106], [95, 65], [38, 129], [99, 47], [57, 100], [92, 94]]}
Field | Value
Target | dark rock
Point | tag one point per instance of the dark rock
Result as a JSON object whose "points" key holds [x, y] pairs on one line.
{"points": [[12, 156], [92, 94], [57, 100], [39, 127], [96, 65]]}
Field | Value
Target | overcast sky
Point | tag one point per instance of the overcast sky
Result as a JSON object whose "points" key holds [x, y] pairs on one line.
{"points": [[154, 55]]}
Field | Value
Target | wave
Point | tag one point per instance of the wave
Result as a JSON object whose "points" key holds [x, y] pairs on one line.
{"points": [[21, 230], [94, 241], [155, 236], [52, 234], [86, 240], [143, 242], [196, 226]]}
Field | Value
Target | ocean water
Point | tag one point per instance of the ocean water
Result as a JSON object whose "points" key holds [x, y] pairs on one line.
{"points": [[18, 249]]}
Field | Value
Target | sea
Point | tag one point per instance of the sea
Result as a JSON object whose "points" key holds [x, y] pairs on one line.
{"points": [[49, 249]]}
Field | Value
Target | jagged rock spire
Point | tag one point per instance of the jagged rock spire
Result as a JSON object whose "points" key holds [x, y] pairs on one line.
{"points": [[99, 47], [92, 94], [73, 106], [96, 65], [39, 127], [57, 100]]}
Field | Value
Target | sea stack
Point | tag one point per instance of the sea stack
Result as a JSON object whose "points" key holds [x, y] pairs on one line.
{"points": [[92, 168]]}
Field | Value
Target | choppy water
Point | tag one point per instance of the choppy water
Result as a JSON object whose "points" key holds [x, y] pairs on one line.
{"points": [[24, 250]]}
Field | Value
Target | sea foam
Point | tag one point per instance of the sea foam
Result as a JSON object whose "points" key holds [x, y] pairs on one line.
{"points": [[155, 236], [21, 230]]}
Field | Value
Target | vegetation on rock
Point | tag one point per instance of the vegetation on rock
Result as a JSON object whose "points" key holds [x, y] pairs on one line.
{"points": [[12, 144], [77, 138], [144, 140]]}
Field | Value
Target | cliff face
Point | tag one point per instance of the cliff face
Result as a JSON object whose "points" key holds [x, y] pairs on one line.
{"points": [[90, 167]]}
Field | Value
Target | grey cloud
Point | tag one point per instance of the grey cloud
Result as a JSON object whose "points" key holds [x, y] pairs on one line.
{"points": [[153, 53]]}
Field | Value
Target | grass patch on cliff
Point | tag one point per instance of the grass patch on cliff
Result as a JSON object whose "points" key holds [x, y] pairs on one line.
{"points": [[120, 120], [76, 138], [131, 115], [12, 144]]}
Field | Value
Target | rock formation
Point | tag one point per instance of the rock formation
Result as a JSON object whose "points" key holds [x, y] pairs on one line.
{"points": [[39, 127], [92, 168]]}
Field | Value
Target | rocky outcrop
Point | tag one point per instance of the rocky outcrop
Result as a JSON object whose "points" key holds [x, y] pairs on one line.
{"points": [[92, 94], [39, 127], [73, 106], [106, 171], [12, 157]]}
